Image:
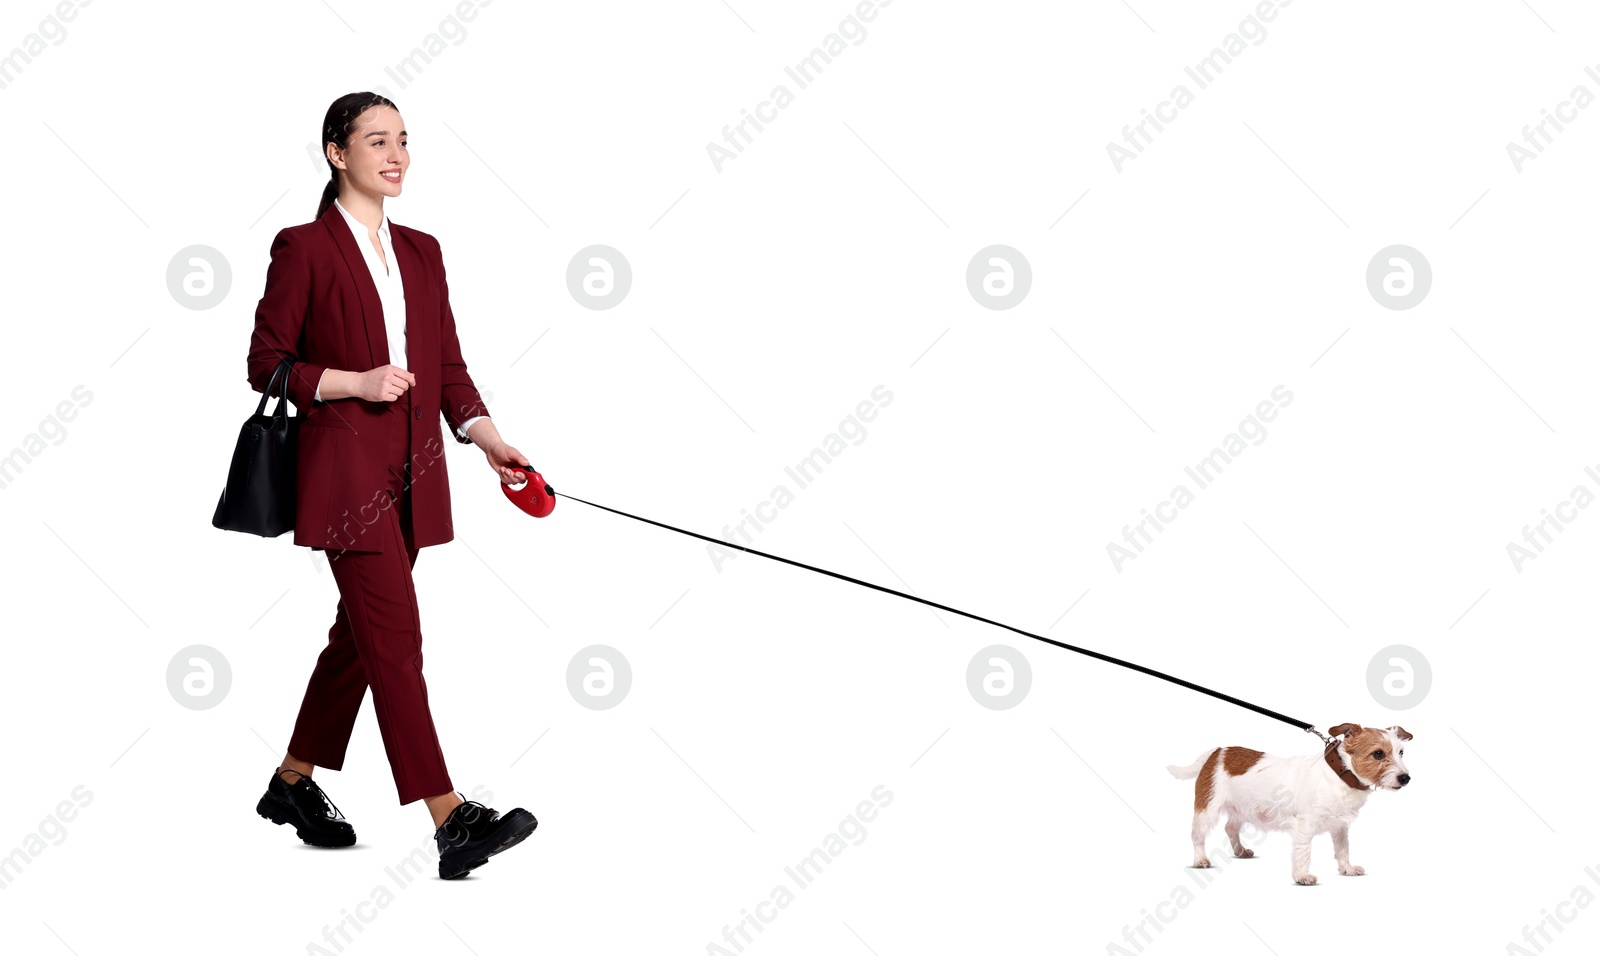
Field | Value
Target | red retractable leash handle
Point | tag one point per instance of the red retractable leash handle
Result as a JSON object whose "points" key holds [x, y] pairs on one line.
{"points": [[535, 496]]}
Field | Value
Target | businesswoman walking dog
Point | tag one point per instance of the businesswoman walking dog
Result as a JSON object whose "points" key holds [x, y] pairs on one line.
{"points": [[361, 307]]}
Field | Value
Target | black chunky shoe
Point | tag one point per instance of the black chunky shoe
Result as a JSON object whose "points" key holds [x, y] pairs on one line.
{"points": [[316, 820], [473, 833]]}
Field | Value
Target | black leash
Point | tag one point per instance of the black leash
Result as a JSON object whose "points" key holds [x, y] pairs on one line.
{"points": [[912, 597]]}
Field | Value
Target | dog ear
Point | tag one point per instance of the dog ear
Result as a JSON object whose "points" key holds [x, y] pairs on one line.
{"points": [[1401, 732], [1344, 730]]}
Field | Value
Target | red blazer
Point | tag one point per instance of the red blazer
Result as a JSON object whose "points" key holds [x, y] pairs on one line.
{"points": [[322, 310]]}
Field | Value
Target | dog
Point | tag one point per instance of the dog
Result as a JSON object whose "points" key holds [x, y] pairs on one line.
{"points": [[1302, 795]]}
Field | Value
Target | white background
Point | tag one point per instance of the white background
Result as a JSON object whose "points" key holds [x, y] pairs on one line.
{"points": [[768, 300]]}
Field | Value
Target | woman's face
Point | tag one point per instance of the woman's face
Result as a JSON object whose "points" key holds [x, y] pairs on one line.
{"points": [[377, 148]]}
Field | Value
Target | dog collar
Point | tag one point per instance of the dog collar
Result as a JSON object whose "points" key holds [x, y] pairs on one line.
{"points": [[1329, 753]]}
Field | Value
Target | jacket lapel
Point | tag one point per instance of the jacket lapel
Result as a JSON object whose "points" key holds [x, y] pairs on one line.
{"points": [[371, 305], [412, 280]]}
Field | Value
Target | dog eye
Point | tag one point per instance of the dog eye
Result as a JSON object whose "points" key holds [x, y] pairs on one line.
{"points": [[1377, 755]]}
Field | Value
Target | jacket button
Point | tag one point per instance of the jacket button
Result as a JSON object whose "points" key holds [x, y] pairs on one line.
{"points": [[419, 412]]}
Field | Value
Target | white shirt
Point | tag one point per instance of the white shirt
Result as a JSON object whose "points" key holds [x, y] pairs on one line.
{"points": [[391, 294]]}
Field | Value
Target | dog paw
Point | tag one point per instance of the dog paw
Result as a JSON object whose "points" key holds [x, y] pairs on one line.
{"points": [[1244, 853], [1348, 869], [1305, 879], [1202, 863]]}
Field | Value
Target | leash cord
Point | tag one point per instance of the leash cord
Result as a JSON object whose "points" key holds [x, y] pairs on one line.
{"points": [[912, 597]]}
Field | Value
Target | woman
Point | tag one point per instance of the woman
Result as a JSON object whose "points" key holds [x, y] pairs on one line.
{"points": [[360, 305]]}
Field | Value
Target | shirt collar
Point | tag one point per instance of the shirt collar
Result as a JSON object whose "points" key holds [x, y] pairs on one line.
{"points": [[355, 224]]}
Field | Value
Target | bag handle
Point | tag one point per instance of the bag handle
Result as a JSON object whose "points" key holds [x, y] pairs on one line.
{"points": [[285, 368]]}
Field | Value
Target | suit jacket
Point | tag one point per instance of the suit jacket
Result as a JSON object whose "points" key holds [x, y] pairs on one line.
{"points": [[321, 309]]}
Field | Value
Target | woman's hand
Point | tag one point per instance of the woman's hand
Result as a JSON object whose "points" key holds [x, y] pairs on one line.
{"points": [[503, 459], [385, 383]]}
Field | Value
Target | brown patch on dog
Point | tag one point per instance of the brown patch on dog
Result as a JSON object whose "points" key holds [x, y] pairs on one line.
{"points": [[1361, 746], [1237, 760], [1203, 783], [1401, 733], [1343, 729]]}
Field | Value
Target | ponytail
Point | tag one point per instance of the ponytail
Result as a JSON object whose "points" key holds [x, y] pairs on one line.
{"points": [[330, 192]]}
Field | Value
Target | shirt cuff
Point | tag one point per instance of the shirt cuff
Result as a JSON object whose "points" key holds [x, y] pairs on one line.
{"points": [[462, 431], [317, 395]]}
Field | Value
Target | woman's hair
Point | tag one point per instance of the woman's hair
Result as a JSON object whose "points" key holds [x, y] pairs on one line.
{"points": [[336, 129]]}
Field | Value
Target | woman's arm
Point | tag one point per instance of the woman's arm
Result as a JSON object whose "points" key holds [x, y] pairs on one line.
{"points": [[458, 394], [280, 318], [483, 433], [460, 401], [382, 384]]}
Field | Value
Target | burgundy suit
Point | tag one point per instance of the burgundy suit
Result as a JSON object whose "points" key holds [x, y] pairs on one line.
{"points": [[372, 487], [321, 309]]}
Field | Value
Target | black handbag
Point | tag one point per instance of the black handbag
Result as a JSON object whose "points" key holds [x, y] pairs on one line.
{"points": [[259, 497]]}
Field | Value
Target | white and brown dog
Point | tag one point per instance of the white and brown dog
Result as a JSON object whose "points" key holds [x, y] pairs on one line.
{"points": [[1302, 795]]}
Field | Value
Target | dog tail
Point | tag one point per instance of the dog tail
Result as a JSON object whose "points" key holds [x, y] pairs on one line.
{"points": [[1193, 770]]}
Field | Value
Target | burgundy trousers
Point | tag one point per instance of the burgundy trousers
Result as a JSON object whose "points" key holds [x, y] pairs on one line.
{"points": [[376, 640]]}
